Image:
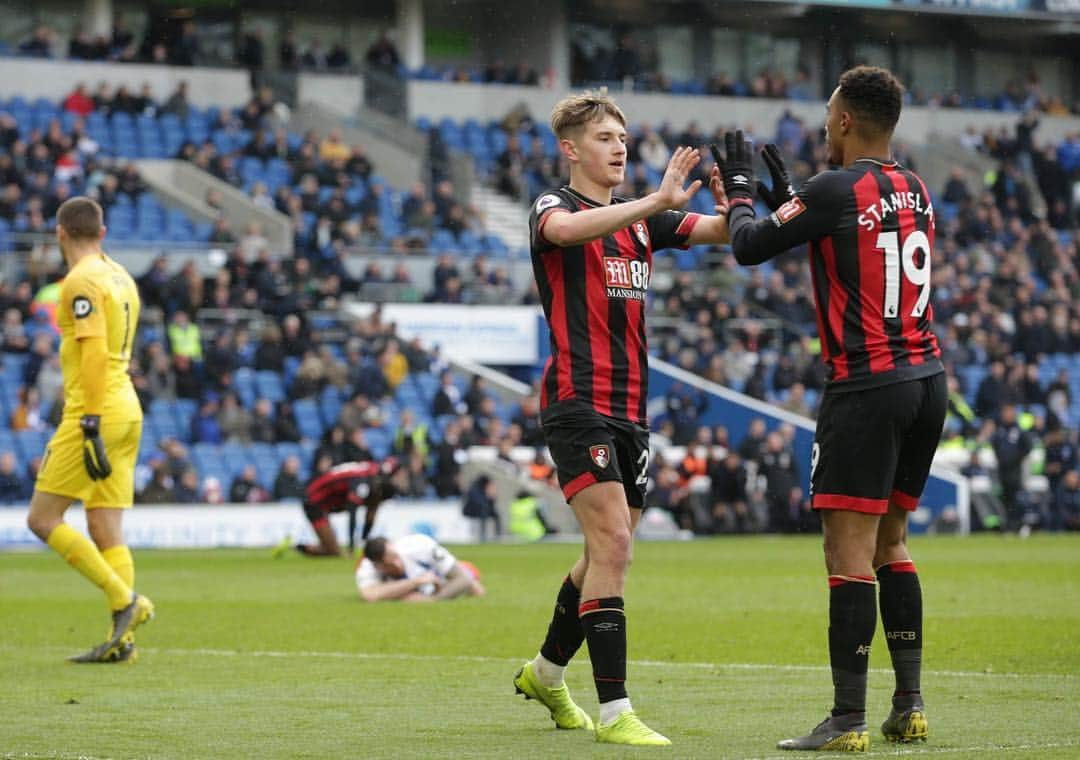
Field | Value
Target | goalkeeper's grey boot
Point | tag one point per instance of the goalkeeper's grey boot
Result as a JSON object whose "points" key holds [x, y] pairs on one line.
{"points": [[100, 653], [125, 621], [103, 653], [837, 733]]}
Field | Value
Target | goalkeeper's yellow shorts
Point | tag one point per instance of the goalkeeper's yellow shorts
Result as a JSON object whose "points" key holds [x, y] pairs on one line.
{"points": [[63, 472]]}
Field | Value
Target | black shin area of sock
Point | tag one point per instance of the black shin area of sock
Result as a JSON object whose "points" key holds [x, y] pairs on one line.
{"points": [[901, 616], [564, 634], [604, 622], [852, 619]]}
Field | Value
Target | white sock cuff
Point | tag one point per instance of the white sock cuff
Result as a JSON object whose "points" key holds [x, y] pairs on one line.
{"points": [[609, 711], [548, 673]]}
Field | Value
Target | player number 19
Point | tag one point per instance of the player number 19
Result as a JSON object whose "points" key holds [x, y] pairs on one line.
{"points": [[917, 275]]}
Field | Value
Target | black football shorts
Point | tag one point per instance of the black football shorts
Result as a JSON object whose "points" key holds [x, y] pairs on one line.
{"points": [[589, 447], [876, 445]]}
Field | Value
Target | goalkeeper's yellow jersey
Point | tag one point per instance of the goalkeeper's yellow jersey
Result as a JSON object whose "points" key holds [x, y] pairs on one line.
{"points": [[99, 299]]}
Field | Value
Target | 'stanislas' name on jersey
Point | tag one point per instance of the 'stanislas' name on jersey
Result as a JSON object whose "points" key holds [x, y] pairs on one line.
{"points": [[593, 295], [882, 207]]}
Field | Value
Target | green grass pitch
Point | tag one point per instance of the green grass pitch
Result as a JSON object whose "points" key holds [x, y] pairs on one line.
{"points": [[255, 658]]}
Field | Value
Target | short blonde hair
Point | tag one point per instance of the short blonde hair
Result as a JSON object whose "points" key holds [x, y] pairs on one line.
{"points": [[575, 111]]}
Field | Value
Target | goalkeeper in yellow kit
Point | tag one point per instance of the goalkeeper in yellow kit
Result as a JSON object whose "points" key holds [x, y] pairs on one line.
{"points": [[91, 458]]}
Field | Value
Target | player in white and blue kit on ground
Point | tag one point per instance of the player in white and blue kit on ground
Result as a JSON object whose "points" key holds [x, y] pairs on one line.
{"points": [[414, 568]]}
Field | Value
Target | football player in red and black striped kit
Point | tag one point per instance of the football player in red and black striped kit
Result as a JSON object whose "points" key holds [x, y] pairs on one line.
{"points": [[870, 226], [592, 257], [342, 487]]}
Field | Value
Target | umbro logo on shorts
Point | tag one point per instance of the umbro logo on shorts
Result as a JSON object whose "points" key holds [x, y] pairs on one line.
{"points": [[600, 454]]}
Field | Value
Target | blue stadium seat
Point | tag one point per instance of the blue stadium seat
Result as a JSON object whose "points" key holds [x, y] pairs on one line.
{"points": [[330, 406], [287, 449], [379, 440], [244, 384], [308, 419], [269, 385]]}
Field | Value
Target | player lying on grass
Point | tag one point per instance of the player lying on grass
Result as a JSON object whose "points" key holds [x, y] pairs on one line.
{"points": [[91, 457], [341, 488], [592, 259], [870, 226], [414, 568]]}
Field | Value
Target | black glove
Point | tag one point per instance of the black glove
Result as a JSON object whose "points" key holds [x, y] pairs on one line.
{"points": [[97, 465], [782, 191], [737, 168]]}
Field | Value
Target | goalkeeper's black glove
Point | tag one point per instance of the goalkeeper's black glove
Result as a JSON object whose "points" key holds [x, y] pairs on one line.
{"points": [[736, 168], [782, 191], [97, 465]]}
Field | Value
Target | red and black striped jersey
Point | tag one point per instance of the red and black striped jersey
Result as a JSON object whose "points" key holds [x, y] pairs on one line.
{"points": [[871, 232], [340, 487], [593, 296]]}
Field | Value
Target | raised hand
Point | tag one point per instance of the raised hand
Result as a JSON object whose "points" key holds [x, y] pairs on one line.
{"points": [[736, 167], [672, 194], [782, 191]]}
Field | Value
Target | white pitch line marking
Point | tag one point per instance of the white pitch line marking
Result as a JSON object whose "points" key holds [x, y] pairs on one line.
{"points": [[983, 748], [638, 663]]}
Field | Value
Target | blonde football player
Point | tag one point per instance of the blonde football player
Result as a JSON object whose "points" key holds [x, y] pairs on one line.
{"points": [[91, 458]]}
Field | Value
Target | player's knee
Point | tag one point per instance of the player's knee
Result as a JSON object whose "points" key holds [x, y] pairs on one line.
{"points": [[612, 547], [847, 558], [41, 525]]}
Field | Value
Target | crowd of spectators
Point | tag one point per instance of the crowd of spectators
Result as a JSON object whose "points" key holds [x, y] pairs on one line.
{"points": [[337, 204], [625, 64], [1021, 95], [48, 166], [631, 65], [720, 487], [1006, 287], [332, 194], [179, 47], [180, 359]]}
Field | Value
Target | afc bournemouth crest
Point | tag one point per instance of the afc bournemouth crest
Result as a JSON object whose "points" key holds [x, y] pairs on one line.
{"points": [[642, 233], [601, 455]]}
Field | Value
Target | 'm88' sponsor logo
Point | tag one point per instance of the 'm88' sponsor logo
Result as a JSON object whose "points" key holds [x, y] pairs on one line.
{"points": [[626, 278]]}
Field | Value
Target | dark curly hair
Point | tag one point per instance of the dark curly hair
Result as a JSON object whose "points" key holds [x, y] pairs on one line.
{"points": [[874, 95]]}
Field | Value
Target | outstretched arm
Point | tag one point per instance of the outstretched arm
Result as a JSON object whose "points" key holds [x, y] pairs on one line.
{"points": [[756, 240], [401, 589], [563, 229], [809, 215]]}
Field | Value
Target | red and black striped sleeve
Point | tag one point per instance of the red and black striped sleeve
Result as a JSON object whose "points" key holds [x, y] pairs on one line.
{"points": [[671, 229], [814, 212]]}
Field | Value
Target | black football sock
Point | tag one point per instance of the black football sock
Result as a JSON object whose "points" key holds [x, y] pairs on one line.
{"points": [[604, 622], [901, 616], [564, 634], [852, 619]]}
